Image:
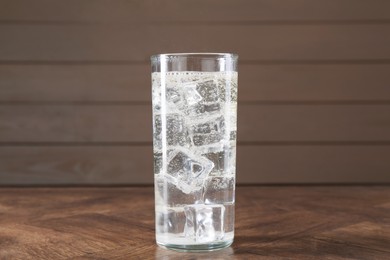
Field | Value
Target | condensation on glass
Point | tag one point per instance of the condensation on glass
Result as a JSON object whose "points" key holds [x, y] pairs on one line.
{"points": [[194, 141]]}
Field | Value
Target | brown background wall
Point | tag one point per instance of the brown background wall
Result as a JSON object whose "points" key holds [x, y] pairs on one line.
{"points": [[314, 86]]}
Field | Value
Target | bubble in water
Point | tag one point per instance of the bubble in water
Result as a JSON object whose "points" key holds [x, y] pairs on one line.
{"points": [[208, 90], [157, 162], [176, 130], [219, 189]]}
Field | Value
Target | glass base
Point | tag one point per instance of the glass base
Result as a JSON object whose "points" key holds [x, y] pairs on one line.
{"points": [[198, 248]]}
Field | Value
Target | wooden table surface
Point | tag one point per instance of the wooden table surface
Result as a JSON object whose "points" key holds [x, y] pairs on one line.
{"points": [[272, 222]]}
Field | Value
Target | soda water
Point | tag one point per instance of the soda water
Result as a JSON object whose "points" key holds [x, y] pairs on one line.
{"points": [[194, 135]]}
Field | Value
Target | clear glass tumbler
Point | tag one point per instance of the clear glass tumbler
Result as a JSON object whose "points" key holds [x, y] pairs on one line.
{"points": [[194, 141]]}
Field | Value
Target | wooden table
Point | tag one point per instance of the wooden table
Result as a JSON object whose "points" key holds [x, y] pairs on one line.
{"points": [[272, 222]]}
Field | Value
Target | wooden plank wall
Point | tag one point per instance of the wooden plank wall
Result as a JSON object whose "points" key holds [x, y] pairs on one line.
{"points": [[314, 86]]}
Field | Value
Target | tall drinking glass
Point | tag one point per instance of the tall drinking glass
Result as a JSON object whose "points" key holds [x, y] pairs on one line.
{"points": [[194, 142]]}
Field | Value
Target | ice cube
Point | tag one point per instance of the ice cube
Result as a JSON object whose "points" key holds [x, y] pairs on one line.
{"points": [[211, 108], [228, 221], [167, 193], [218, 158], [173, 95], [176, 131], [209, 132], [170, 220], [208, 90], [199, 110], [187, 170], [201, 98], [200, 140], [191, 95], [195, 110], [219, 190], [204, 223], [224, 160], [205, 128]]}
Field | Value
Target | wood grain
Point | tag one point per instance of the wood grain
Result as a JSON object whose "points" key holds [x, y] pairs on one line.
{"points": [[133, 123], [127, 42], [105, 165], [257, 82], [294, 222], [192, 10]]}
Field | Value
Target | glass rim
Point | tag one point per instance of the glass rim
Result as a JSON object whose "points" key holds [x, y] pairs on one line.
{"points": [[203, 55]]}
